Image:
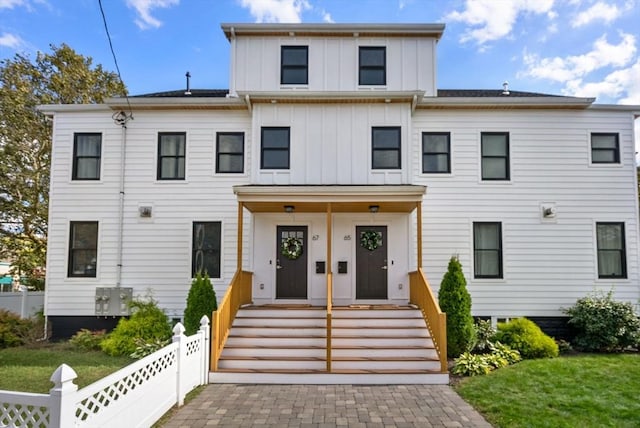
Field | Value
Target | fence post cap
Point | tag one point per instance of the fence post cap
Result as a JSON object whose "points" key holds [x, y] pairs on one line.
{"points": [[204, 321], [63, 378], [178, 329]]}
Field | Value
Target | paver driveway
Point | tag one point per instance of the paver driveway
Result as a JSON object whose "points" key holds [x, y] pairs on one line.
{"points": [[327, 406]]}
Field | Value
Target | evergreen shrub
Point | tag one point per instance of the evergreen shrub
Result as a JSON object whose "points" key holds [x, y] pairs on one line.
{"points": [[455, 301], [147, 322], [526, 337], [603, 324], [87, 340], [200, 301]]}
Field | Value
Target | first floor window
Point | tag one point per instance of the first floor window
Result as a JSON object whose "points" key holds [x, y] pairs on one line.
{"points": [[83, 249], [612, 260], [385, 147], [230, 152], [605, 148], [171, 155], [205, 253], [487, 249], [275, 148], [87, 149], [436, 152], [495, 155]]}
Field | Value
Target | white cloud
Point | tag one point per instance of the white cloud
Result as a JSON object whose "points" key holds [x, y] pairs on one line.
{"points": [[620, 83], [326, 17], [491, 20], [144, 8], [276, 10], [571, 68], [10, 41], [10, 4], [599, 11]]}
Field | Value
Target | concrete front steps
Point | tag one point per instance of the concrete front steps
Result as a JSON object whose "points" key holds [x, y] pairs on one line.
{"points": [[369, 346]]}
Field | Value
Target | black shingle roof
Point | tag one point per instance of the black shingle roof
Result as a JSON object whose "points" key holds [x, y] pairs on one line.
{"points": [[195, 93], [488, 93]]}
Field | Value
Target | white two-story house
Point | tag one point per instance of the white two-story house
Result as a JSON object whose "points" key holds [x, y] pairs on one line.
{"points": [[334, 173]]}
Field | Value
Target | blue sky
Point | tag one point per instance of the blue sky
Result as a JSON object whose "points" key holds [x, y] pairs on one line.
{"points": [[572, 47]]}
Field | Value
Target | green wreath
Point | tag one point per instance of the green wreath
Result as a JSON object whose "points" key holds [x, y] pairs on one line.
{"points": [[370, 239], [291, 248]]}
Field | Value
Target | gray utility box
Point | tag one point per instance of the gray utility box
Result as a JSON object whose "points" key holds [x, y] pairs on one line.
{"points": [[111, 301]]}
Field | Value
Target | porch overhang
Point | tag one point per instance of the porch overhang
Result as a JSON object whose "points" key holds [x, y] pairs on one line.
{"points": [[340, 199]]}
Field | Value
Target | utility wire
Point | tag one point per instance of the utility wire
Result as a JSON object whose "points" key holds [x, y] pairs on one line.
{"points": [[115, 60]]}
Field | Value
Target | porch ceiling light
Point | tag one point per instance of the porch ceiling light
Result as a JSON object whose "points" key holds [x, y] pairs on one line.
{"points": [[289, 208], [374, 208]]}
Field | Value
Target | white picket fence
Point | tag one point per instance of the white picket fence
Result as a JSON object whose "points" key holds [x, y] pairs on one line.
{"points": [[135, 396]]}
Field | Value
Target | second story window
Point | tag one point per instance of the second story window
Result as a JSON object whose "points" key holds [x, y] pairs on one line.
{"points": [[171, 155], [385, 147], [87, 149], [274, 152], [495, 155], [436, 152], [230, 152], [294, 65], [372, 65], [605, 148]]}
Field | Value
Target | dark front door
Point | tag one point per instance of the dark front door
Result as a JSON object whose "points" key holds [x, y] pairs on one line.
{"points": [[371, 262], [291, 262]]}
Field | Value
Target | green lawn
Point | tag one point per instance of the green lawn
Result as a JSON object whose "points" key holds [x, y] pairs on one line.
{"points": [[29, 369], [577, 391]]}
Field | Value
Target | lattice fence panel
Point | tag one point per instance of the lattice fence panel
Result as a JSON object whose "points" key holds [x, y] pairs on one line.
{"points": [[194, 344], [23, 415], [112, 393]]}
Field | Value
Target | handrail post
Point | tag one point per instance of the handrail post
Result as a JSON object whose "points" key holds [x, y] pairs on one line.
{"points": [[329, 286]]}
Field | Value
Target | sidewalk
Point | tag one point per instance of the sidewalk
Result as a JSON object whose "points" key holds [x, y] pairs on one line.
{"points": [[327, 406]]}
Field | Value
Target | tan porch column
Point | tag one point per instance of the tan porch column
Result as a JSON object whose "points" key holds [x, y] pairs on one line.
{"points": [[240, 223], [329, 285], [419, 232]]}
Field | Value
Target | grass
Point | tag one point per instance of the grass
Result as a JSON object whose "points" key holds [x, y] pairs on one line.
{"points": [[28, 369], [577, 391]]}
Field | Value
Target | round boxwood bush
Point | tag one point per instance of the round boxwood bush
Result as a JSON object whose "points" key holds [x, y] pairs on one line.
{"points": [[148, 323], [455, 301], [602, 324], [526, 337], [200, 301]]}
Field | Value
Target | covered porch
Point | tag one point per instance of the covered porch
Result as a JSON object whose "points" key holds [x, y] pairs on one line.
{"points": [[356, 237]]}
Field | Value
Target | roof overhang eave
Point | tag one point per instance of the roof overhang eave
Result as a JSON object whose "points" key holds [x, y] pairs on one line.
{"points": [[505, 102]]}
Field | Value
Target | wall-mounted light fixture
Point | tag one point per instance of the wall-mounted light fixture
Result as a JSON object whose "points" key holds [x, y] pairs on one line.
{"points": [[289, 208], [374, 208]]}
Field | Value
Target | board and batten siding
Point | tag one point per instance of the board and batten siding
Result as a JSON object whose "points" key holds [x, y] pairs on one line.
{"points": [[547, 265], [157, 250], [333, 63]]}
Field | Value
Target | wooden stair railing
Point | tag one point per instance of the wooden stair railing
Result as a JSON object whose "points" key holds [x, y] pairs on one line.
{"points": [[238, 294], [421, 295]]}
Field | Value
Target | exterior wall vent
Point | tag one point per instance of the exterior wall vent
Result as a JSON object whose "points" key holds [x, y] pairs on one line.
{"points": [[145, 211]]}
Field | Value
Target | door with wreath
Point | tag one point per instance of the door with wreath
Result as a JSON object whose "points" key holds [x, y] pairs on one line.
{"points": [[371, 262], [291, 262]]}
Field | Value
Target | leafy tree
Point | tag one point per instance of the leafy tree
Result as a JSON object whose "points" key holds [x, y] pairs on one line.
{"points": [[455, 301], [60, 77], [200, 301]]}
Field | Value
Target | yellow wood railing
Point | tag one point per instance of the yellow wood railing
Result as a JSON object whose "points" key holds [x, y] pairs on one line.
{"points": [[238, 294], [329, 316], [422, 296]]}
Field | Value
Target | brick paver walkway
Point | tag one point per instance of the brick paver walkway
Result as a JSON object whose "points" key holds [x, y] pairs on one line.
{"points": [[327, 406]]}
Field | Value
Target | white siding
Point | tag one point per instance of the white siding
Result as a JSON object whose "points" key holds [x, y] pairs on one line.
{"points": [[547, 265], [333, 63], [157, 251]]}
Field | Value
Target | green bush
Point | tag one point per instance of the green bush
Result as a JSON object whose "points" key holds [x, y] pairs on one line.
{"points": [[87, 340], [13, 329], [484, 333], [511, 356], [144, 348], [603, 324], [147, 322], [455, 301], [468, 364], [200, 301], [526, 337]]}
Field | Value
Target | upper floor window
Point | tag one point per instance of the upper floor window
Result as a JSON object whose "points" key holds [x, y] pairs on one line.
{"points": [[436, 152], [605, 148], [87, 148], [230, 152], [275, 148], [612, 259], [205, 251], [83, 249], [372, 65], [487, 249], [385, 147], [495, 155], [171, 155], [294, 65]]}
